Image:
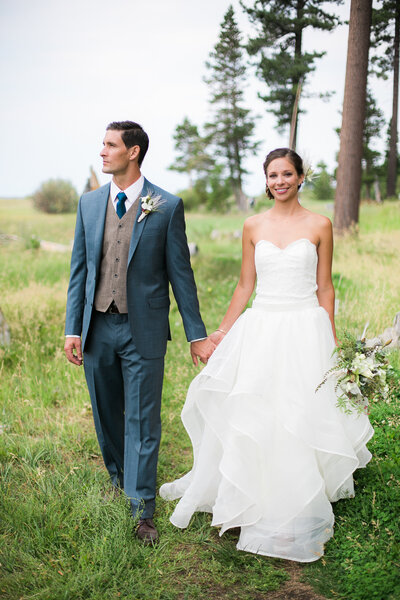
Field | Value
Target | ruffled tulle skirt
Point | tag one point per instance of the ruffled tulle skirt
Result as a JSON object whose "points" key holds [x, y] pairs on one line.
{"points": [[270, 454]]}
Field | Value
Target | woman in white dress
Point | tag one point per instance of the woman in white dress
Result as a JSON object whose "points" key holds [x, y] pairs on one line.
{"points": [[271, 454]]}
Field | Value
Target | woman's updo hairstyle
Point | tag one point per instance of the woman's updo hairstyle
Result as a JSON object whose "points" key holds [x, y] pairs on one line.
{"points": [[288, 153]]}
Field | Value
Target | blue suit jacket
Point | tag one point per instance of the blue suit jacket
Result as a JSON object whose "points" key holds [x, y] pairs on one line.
{"points": [[158, 255]]}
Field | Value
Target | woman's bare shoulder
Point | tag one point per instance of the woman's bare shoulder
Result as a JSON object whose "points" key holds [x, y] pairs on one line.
{"points": [[253, 221], [319, 221]]}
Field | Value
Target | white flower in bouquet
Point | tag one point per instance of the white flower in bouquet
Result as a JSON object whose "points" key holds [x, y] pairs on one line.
{"points": [[363, 365], [360, 373], [381, 373], [349, 387]]}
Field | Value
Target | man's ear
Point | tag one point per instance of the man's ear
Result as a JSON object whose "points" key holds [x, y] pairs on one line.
{"points": [[134, 152]]}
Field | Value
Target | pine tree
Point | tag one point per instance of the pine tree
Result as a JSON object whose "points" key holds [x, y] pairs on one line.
{"points": [[347, 197], [192, 158], [386, 36], [278, 47], [373, 126], [232, 127]]}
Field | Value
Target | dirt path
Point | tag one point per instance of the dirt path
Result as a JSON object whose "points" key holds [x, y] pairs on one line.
{"points": [[294, 589]]}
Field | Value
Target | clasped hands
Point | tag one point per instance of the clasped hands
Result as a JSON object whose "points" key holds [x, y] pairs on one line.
{"points": [[203, 349]]}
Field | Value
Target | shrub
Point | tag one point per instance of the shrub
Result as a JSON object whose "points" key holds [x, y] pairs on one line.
{"points": [[191, 199], [322, 184], [56, 196]]}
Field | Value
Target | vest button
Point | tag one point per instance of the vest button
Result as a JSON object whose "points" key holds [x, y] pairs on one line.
{"points": [[115, 275]]}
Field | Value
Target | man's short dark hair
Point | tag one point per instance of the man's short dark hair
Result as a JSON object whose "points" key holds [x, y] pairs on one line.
{"points": [[132, 134]]}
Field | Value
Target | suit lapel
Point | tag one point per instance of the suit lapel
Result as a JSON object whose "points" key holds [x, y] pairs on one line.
{"points": [[138, 227], [101, 210]]}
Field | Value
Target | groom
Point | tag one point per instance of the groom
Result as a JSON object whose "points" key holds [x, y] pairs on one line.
{"points": [[125, 255]]}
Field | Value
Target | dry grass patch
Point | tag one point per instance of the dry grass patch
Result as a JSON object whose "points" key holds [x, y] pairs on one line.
{"points": [[370, 287]]}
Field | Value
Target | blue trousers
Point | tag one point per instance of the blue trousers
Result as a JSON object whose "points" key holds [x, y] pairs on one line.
{"points": [[125, 391]]}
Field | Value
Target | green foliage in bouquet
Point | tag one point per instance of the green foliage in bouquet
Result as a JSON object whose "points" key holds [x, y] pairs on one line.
{"points": [[360, 372]]}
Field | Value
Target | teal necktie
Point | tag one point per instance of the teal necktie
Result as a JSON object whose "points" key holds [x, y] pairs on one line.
{"points": [[121, 210]]}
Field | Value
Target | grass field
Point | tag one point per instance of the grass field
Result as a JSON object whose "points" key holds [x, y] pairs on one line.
{"points": [[64, 536]]}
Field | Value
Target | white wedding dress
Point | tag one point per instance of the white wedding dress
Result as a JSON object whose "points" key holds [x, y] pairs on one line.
{"points": [[270, 454]]}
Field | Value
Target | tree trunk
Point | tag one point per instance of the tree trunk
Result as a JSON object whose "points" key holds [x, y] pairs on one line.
{"points": [[347, 198], [296, 80], [377, 191], [293, 125], [236, 178], [240, 197], [392, 158]]}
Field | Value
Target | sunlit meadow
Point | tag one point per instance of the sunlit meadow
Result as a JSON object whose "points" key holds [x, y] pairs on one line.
{"points": [[64, 536]]}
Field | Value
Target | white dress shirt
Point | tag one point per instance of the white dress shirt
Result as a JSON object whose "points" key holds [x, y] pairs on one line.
{"points": [[132, 192]]}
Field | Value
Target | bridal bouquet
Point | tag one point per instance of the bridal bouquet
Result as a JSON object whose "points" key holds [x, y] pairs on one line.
{"points": [[360, 372]]}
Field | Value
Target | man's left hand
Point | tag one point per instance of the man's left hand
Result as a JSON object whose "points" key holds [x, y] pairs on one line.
{"points": [[202, 350]]}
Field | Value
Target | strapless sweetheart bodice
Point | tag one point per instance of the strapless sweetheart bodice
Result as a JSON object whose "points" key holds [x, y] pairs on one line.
{"points": [[286, 275]]}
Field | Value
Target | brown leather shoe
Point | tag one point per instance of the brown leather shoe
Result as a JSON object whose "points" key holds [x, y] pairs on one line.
{"points": [[146, 531]]}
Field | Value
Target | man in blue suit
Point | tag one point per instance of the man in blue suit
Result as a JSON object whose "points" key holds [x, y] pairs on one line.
{"points": [[130, 244]]}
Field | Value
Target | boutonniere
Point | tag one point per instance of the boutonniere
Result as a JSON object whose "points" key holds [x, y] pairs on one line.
{"points": [[150, 204]]}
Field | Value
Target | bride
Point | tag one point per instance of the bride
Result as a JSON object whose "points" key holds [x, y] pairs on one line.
{"points": [[269, 453]]}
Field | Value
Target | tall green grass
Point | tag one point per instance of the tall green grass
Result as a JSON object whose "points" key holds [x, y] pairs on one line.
{"points": [[64, 535]]}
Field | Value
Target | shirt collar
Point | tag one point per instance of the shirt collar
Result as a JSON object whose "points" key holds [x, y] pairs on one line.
{"points": [[132, 192]]}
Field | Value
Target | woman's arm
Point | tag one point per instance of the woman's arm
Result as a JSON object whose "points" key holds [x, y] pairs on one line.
{"points": [[326, 291], [244, 288]]}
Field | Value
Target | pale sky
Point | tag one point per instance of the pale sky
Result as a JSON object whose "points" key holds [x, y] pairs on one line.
{"points": [[69, 67]]}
